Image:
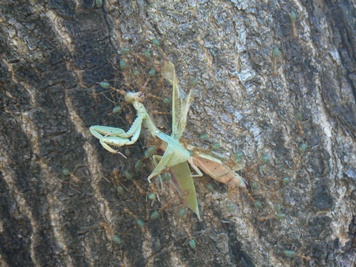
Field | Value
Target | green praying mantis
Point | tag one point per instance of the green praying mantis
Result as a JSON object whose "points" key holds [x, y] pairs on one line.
{"points": [[176, 157]]}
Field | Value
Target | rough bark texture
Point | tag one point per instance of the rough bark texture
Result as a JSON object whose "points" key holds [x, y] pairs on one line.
{"points": [[298, 124]]}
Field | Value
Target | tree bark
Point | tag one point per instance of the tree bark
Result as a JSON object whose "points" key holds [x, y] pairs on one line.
{"points": [[285, 99]]}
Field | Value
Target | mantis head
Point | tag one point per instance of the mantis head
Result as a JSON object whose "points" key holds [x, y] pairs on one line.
{"points": [[131, 97]]}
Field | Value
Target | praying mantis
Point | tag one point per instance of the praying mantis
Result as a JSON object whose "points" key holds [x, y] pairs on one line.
{"points": [[176, 157]]}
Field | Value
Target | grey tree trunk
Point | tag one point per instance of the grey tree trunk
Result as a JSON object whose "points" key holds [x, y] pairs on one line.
{"points": [[280, 91]]}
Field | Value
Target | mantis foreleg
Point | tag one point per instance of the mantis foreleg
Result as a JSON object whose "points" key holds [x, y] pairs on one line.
{"points": [[111, 136]]}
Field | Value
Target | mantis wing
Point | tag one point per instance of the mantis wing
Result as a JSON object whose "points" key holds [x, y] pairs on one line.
{"points": [[175, 153], [217, 170], [180, 107], [180, 103], [181, 172]]}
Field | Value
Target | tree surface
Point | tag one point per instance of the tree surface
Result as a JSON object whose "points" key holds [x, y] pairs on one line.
{"points": [[276, 81]]}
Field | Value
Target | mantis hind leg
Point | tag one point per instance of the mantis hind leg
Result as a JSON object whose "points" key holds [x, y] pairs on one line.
{"points": [[195, 167], [162, 164], [156, 159]]}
